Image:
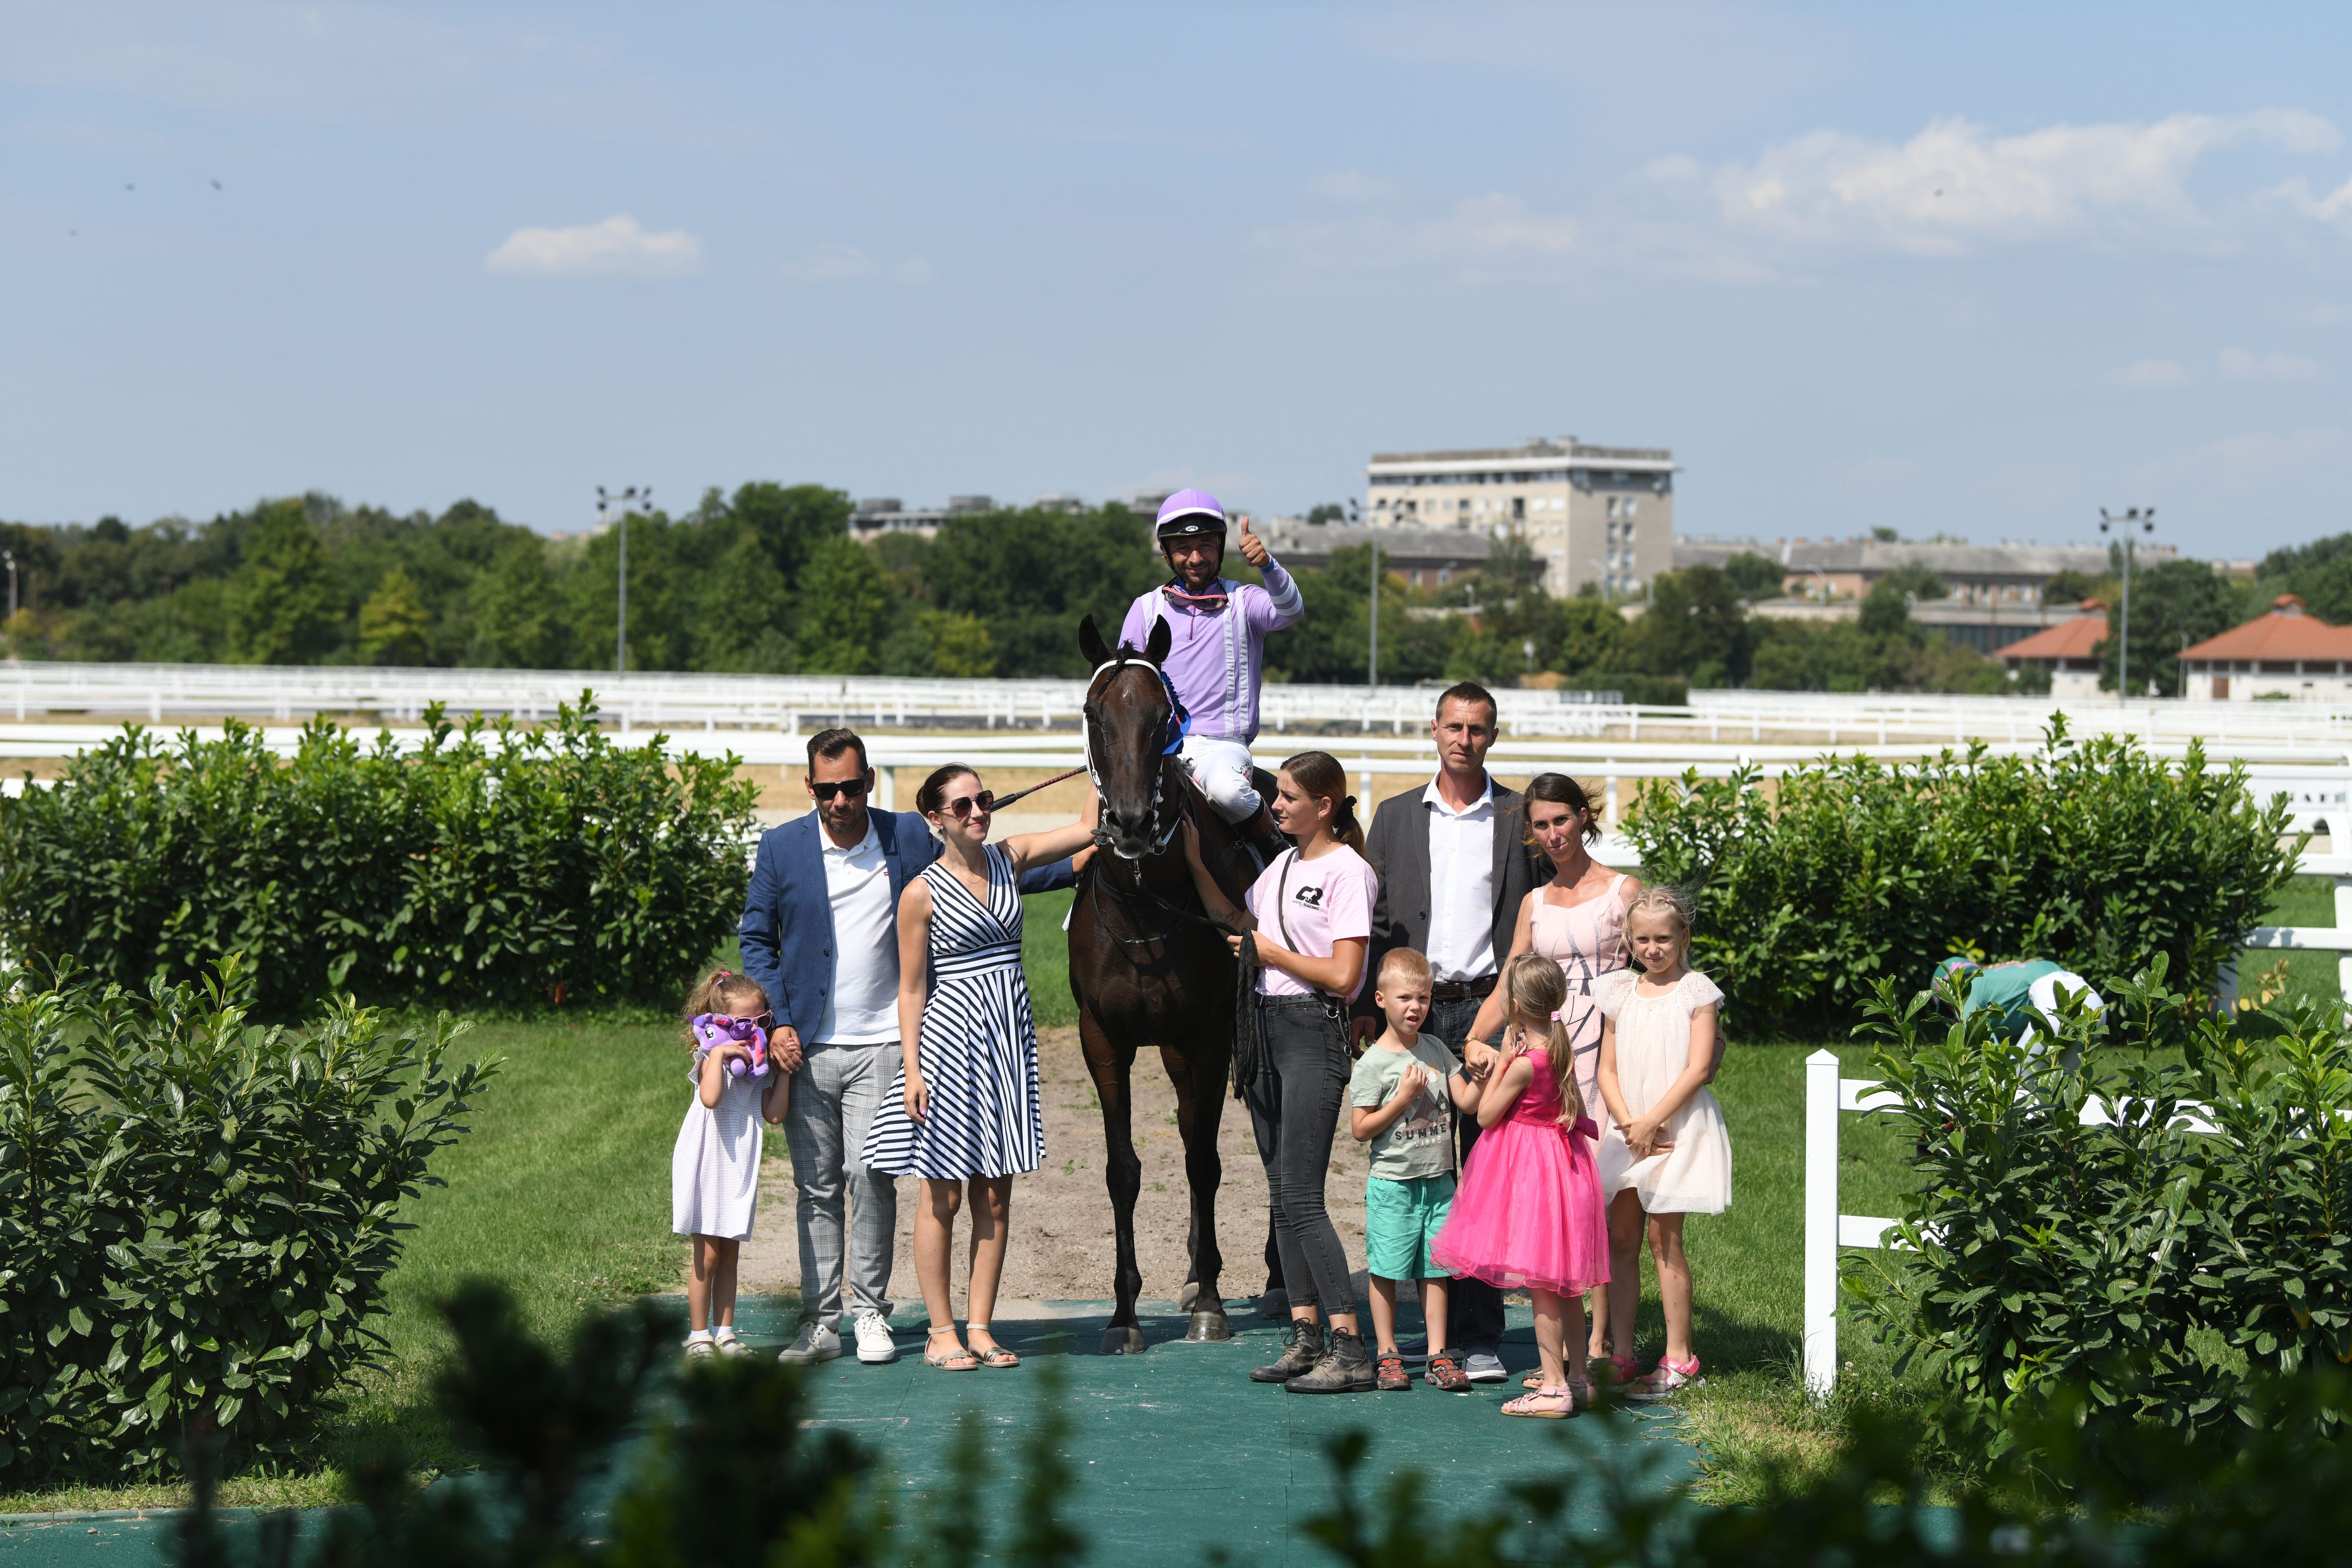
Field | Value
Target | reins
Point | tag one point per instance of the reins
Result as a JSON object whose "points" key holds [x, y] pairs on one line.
{"points": [[1141, 897]]}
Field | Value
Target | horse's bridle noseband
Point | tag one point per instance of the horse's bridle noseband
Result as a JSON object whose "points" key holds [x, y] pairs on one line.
{"points": [[1164, 831]]}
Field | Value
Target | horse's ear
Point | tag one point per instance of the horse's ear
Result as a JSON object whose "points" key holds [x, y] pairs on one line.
{"points": [[1090, 643], [1155, 647]]}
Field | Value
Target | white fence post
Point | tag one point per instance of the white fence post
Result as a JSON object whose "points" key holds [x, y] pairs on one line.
{"points": [[1821, 1221]]}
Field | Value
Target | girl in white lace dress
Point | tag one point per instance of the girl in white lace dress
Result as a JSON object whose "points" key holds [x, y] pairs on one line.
{"points": [[1667, 1152]]}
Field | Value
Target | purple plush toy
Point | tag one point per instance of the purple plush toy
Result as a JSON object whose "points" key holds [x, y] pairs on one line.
{"points": [[717, 1028]]}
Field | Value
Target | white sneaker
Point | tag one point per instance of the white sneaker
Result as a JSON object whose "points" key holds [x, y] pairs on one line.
{"points": [[815, 1342], [728, 1345], [1483, 1366], [874, 1346]]}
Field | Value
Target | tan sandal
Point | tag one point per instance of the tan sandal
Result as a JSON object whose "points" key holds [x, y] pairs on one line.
{"points": [[962, 1360], [995, 1357], [1557, 1395]]}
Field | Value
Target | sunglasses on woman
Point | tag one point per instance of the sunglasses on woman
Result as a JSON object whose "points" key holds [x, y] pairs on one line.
{"points": [[963, 806], [852, 788]]}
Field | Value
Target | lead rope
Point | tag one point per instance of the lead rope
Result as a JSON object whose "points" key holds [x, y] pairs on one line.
{"points": [[1245, 970]]}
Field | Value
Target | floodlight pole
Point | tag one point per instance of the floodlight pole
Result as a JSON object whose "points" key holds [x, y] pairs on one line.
{"points": [[2143, 518], [1373, 663], [9, 557], [628, 499]]}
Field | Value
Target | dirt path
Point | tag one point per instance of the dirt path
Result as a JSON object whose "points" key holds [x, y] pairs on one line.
{"points": [[1061, 1248]]}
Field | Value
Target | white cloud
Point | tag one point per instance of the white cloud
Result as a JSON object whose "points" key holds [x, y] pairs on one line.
{"points": [[2150, 372], [2267, 451], [617, 248], [2241, 365], [1955, 186], [836, 263], [830, 264], [2336, 206]]}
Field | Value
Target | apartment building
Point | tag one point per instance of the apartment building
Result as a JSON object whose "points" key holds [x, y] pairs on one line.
{"points": [[1603, 515]]}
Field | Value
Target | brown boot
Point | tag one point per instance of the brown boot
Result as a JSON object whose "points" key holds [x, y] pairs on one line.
{"points": [[1305, 1340], [1345, 1368]]}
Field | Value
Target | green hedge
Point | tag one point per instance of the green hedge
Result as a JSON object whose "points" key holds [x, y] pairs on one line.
{"points": [[197, 1217], [491, 865], [2092, 854], [2139, 1272]]}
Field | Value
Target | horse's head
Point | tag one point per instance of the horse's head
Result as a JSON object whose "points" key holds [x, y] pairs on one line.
{"points": [[1129, 717]]}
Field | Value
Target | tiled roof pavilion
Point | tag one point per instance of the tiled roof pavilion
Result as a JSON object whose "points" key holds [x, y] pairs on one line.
{"points": [[2286, 635]]}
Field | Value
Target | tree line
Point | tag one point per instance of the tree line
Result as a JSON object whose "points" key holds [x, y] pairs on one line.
{"points": [[770, 579]]}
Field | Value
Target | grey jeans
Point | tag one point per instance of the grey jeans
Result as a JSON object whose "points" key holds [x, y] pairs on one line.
{"points": [[834, 1096]]}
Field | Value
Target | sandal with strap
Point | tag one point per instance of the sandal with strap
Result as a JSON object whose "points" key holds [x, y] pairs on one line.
{"points": [[1618, 1370], [1390, 1374], [1446, 1373], [1558, 1397], [996, 1358], [958, 1360]]}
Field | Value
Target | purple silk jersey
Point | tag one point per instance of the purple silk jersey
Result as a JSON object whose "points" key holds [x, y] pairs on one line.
{"points": [[1215, 657]]}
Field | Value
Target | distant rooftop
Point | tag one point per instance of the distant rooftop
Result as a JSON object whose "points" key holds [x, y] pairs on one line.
{"points": [[1538, 450]]}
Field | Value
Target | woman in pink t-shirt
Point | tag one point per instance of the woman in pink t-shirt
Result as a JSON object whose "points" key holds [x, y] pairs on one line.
{"points": [[1310, 917]]}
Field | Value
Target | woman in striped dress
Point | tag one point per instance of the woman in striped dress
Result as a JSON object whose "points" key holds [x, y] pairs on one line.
{"points": [[963, 1114]]}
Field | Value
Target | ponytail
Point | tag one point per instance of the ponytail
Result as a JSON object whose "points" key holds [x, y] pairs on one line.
{"points": [[1319, 777], [1536, 989]]}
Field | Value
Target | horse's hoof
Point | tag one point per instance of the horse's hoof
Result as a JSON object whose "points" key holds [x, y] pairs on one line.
{"points": [[1275, 1303], [1190, 1297], [1122, 1341], [1208, 1328]]}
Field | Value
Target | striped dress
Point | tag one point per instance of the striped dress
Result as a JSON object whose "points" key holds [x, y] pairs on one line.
{"points": [[978, 1048]]}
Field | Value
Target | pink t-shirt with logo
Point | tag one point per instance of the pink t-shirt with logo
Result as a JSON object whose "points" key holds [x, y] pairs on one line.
{"points": [[1329, 899]]}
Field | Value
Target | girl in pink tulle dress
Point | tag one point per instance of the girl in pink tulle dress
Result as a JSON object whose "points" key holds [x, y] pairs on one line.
{"points": [[1527, 1214]]}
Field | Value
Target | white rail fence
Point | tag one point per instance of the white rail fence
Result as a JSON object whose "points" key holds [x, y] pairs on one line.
{"points": [[1826, 1230], [1827, 1095], [158, 693]]}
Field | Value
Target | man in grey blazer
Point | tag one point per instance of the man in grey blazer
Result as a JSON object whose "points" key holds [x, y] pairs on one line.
{"points": [[1455, 865]]}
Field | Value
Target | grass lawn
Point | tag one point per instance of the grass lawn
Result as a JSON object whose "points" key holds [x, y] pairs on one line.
{"points": [[561, 1190]]}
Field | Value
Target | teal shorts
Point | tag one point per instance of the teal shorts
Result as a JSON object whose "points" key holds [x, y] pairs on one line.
{"points": [[1401, 1219]]}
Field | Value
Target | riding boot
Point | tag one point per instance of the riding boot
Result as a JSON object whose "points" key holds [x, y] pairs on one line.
{"points": [[1344, 1369], [1305, 1349], [1265, 838]]}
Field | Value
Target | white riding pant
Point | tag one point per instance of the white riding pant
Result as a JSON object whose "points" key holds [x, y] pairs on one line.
{"points": [[1222, 768]]}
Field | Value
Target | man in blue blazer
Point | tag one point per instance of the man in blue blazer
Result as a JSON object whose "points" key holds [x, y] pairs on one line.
{"points": [[820, 935]]}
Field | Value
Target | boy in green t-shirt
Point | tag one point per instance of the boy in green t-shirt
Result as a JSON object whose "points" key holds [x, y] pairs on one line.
{"points": [[1399, 1091]]}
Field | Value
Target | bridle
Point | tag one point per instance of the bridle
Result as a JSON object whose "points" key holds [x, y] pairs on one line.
{"points": [[1164, 821]]}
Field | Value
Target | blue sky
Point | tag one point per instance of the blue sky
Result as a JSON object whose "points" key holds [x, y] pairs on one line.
{"points": [[1981, 269]]}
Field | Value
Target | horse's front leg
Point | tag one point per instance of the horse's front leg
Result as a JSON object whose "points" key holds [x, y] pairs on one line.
{"points": [[1110, 1066], [1199, 1075]]}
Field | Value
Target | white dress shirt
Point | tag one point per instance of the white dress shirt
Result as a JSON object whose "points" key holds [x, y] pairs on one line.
{"points": [[863, 1008], [1461, 886]]}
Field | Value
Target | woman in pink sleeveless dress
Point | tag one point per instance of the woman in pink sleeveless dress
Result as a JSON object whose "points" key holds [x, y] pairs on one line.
{"points": [[1578, 920]]}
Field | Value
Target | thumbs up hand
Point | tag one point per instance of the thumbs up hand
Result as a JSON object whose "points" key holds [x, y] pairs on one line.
{"points": [[1253, 549]]}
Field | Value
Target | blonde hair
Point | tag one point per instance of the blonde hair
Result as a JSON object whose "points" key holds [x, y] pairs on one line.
{"points": [[722, 991], [1537, 990], [1656, 899], [1402, 964]]}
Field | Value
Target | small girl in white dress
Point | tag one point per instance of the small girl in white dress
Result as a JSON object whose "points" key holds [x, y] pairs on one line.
{"points": [[1667, 1152], [714, 1171]]}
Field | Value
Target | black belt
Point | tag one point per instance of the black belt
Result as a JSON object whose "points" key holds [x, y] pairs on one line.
{"points": [[1476, 990]]}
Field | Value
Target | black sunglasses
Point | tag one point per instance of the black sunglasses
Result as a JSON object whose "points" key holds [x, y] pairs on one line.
{"points": [[852, 788], [964, 806]]}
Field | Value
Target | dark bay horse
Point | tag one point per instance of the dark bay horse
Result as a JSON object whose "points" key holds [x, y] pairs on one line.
{"points": [[1147, 966]]}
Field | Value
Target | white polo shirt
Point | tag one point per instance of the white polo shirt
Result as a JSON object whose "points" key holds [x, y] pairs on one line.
{"points": [[863, 1009], [1461, 886]]}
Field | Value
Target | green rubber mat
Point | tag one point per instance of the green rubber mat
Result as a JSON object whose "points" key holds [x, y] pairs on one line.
{"points": [[1176, 1450]]}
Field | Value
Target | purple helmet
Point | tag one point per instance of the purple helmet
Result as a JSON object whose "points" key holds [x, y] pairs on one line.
{"points": [[1188, 514]]}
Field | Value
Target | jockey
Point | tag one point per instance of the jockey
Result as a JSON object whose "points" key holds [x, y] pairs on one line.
{"points": [[1215, 657]]}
